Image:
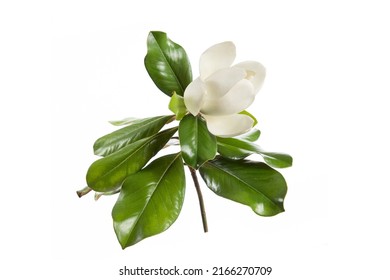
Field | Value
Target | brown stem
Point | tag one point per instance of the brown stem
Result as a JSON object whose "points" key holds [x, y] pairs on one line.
{"points": [[200, 197], [84, 191]]}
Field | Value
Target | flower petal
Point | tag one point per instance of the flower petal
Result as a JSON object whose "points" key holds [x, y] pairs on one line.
{"points": [[255, 73], [220, 82], [194, 95], [215, 58], [239, 97], [228, 126]]}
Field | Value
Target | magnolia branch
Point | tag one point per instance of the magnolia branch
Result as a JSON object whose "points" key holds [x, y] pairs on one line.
{"points": [[200, 197]]}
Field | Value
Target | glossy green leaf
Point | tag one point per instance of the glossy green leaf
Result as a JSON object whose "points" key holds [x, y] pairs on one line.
{"points": [[252, 135], [235, 148], [198, 145], [251, 183], [108, 173], [177, 106], [150, 200], [277, 160], [233, 152], [250, 115], [167, 64], [137, 130]]}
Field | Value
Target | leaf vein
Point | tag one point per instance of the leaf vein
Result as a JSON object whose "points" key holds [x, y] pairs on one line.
{"points": [[248, 185], [170, 67]]}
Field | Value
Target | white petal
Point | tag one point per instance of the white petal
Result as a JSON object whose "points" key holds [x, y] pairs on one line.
{"points": [[228, 126], [193, 96], [220, 82], [215, 58], [255, 73], [236, 100]]}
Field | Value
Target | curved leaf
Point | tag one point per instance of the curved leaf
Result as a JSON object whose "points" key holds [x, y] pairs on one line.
{"points": [[235, 148], [251, 183], [107, 174], [231, 152], [277, 160], [150, 200], [137, 130], [198, 145], [250, 115], [252, 135], [167, 64]]}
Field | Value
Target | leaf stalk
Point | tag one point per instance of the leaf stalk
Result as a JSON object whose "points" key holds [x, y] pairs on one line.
{"points": [[83, 191]]}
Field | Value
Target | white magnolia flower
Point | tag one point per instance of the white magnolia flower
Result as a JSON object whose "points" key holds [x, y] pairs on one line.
{"points": [[222, 91]]}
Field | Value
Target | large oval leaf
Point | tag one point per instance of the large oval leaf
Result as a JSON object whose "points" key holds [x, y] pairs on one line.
{"points": [[137, 130], [150, 200], [198, 145], [251, 183], [167, 64], [107, 174], [236, 148]]}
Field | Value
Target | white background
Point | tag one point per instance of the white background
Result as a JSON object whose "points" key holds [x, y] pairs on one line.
{"points": [[67, 68]]}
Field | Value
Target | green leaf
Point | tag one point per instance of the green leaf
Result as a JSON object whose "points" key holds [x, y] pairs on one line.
{"points": [[250, 115], [252, 135], [235, 148], [198, 145], [137, 130], [232, 152], [277, 160], [150, 200], [177, 106], [229, 151], [108, 173], [167, 64], [251, 183]]}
